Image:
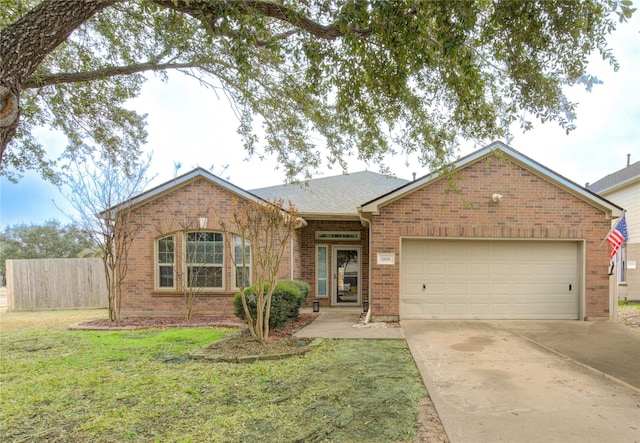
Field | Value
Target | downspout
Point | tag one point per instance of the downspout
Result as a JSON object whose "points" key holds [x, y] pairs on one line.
{"points": [[367, 222]]}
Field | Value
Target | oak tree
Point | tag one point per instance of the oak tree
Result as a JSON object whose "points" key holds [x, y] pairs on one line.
{"points": [[355, 77]]}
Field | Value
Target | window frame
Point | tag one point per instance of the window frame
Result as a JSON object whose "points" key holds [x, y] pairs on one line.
{"points": [[621, 264], [187, 265], [338, 235], [327, 272], [159, 264], [238, 265]]}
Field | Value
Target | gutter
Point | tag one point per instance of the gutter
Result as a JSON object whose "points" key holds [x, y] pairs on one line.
{"points": [[367, 222]]}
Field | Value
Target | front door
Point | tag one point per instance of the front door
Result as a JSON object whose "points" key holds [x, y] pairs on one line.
{"points": [[346, 276]]}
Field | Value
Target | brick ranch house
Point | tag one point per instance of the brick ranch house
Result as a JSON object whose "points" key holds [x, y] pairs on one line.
{"points": [[513, 240]]}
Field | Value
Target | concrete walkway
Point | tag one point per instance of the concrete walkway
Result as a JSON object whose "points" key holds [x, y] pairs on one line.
{"points": [[343, 323]]}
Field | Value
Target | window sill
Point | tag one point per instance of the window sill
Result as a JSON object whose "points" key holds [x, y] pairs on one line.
{"points": [[207, 293]]}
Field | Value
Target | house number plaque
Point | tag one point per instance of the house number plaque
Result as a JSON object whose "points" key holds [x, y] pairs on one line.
{"points": [[386, 258]]}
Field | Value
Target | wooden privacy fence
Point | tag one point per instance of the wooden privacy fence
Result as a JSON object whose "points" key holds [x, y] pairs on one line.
{"points": [[55, 283]]}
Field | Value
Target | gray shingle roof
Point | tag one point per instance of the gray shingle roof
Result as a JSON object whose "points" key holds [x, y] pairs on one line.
{"points": [[339, 195], [620, 177]]}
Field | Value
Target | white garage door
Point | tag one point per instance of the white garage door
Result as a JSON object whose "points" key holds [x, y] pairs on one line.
{"points": [[489, 279]]}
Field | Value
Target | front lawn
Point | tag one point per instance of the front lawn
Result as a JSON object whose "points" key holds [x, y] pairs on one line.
{"points": [[74, 386]]}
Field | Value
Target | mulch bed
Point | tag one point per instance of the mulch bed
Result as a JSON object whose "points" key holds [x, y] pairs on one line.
{"points": [[162, 322], [195, 322]]}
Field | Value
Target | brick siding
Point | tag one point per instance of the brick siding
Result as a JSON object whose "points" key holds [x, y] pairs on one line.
{"points": [[169, 214], [531, 208]]}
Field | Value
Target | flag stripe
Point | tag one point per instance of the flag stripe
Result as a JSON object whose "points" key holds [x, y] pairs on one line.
{"points": [[618, 235]]}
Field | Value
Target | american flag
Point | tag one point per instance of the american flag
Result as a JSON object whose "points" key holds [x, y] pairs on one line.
{"points": [[618, 235]]}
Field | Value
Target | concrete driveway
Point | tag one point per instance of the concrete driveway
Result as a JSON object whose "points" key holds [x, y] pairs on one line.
{"points": [[494, 381]]}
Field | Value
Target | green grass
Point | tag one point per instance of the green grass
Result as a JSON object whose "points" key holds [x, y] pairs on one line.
{"points": [[58, 385], [631, 305]]}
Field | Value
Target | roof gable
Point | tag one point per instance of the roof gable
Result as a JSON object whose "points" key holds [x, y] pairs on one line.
{"points": [[372, 207], [184, 180]]}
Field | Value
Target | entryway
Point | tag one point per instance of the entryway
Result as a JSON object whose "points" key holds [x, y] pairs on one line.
{"points": [[346, 276]]}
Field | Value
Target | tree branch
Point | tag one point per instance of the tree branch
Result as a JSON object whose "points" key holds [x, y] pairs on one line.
{"points": [[208, 12], [111, 71]]}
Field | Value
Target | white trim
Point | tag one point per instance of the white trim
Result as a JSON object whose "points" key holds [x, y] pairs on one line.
{"points": [[374, 206], [338, 235], [334, 279], [327, 271], [235, 266], [185, 265], [157, 264]]}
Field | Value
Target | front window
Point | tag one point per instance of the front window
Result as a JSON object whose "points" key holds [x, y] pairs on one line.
{"points": [[165, 262], [242, 273], [322, 271], [622, 264], [205, 259]]}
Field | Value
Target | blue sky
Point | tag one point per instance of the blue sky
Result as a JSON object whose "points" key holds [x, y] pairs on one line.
{"points": [[193, 126]]}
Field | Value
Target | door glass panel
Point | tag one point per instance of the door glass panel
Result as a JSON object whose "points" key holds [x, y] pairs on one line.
{"points": [[348, 275]]}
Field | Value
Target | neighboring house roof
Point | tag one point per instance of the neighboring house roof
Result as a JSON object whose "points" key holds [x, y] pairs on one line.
{"points": [[332, 197], [618, 179], [525, 162]]}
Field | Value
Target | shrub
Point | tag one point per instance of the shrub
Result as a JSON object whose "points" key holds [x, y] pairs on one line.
{"points": [[286, 301]]}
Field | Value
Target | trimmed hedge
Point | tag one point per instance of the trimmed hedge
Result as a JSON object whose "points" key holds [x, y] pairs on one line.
{"points": [[286, 301]]}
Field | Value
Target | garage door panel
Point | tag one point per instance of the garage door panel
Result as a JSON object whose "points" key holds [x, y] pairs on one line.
{"points": [[498, 289], [435, 289], [457, 269], [501, 309], [435, 269], [481, 309], [460, 309], [481, 269], [455, 289], [479, 290], [489, 279]]}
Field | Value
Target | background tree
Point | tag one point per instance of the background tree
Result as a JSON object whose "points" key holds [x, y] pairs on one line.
{"points": [[266, 229], [50, 240], [101, 191], [363, 78]]}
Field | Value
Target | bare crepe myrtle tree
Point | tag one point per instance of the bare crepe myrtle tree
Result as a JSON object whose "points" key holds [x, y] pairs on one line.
{"points": [[101, 191], [264, 227]]}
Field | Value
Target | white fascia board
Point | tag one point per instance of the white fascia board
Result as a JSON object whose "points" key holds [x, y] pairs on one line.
{"points": [[564, 183], [178, 182], [373, 206]]}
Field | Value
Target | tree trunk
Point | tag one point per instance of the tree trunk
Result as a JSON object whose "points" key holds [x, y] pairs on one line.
{"points": [[25, 43]]}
